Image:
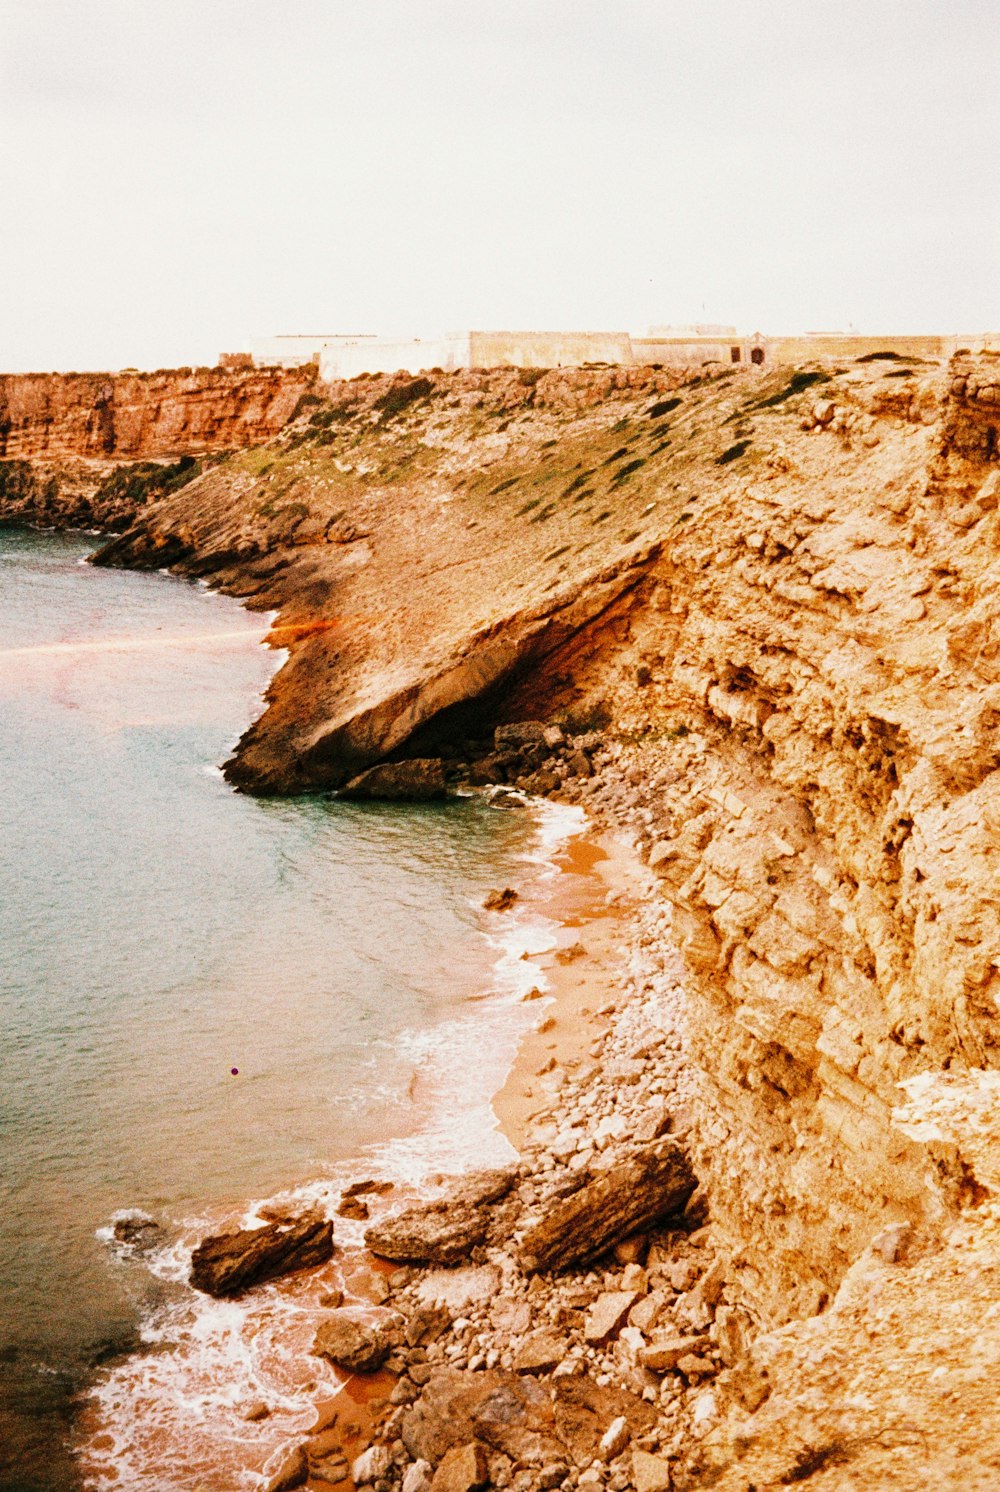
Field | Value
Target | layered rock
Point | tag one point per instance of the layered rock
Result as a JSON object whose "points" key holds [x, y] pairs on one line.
{"points": [[96, 448], [229, 1263]]}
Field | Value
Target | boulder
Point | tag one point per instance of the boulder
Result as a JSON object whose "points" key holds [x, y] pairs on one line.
{"points": [[230, 1263], [138, 1231], [648, 1183], [666, 1350], [500, 901], [608, 1313], [446, 1230], [510, 1414], [420, 778], [522, 733], [370, 1465], [353, 1341], [418, 1477], [583, 1410], [353, 1207], [534, 1421]]}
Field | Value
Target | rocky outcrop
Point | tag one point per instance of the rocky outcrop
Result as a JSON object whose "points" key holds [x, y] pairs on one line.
{"points": [[768, 605], [229, 1263]]}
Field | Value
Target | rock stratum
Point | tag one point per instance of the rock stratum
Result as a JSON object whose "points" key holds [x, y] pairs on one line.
{"points": [[775, 595]]}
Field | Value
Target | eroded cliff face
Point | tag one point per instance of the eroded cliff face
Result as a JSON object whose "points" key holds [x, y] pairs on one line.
{"points": [[69, 441], [779, 592]]}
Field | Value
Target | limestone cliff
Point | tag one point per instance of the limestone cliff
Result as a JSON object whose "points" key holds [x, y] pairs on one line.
{"points": [[69, 442]]}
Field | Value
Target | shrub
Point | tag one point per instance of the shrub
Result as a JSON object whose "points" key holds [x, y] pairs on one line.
{"points": [[795, 385], [401, 395], [624, 472]]}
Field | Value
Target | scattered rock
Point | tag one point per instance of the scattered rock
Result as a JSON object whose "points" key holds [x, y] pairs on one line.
{"points": [[607, 1314], [353, 1207], [650, 1473], [540, 1352], [459, 1289], [352, 1341], [506, 797], [254, 1411], [137, 1231], [418, 1477], [615, 1438], [463, 1469], [421, 778], [230, 1263], [664, 1352], [513, 738], [571, 954], [369, 1187], [370, 1465]]}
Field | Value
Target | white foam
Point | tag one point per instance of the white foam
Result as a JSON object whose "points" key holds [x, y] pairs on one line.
{"points": [[169, 1416]]}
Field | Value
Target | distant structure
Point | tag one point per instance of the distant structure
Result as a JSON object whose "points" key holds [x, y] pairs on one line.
{"points": [[340, 355]]}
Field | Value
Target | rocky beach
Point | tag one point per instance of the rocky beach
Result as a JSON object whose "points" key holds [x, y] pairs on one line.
{"points": [[746, 621]]}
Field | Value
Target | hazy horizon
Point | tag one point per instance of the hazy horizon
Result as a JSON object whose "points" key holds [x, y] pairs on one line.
{"points": [[184, 176]]}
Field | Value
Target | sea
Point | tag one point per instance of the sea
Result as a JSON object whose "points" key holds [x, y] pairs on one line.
{"points": [[208, 1001]]}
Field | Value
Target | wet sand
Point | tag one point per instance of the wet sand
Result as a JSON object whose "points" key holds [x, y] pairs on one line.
{"points": [[590, 903]]}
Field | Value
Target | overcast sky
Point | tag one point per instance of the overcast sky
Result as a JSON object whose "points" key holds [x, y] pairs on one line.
{"points": [[179, 175]]}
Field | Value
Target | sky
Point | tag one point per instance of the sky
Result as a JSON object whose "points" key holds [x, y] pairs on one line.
{"points": [[177, 176]]}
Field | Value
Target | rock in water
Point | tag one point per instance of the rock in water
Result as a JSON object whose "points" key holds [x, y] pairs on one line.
{"points": [[500, 901], [417, 779], [650, 1182], [232, 1262]]}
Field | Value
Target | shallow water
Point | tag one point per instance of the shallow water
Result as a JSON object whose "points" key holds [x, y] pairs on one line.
{"points": [[158, 931]]}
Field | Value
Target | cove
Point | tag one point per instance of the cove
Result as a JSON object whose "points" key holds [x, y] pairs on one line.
{"points": [[158, 931]]}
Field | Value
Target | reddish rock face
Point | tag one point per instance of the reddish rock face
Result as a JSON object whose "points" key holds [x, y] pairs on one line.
{"points": [[180, 411]]}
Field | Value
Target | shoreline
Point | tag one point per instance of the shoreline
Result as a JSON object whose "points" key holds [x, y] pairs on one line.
{"points": [[574, 1008], [564, 884]]}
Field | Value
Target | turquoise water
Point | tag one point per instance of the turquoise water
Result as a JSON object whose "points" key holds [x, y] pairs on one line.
{"points": [[158, 930]]}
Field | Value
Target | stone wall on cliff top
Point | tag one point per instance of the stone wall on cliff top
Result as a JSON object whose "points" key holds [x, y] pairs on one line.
{"points": [[781, 591]]}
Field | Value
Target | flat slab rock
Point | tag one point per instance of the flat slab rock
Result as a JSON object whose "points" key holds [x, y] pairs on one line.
{"points": [[526, 1418], [229, 1263], [447, 1229], [648, 1183], [420, 778]]}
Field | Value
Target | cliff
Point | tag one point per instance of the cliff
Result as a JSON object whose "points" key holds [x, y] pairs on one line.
{"points": [[777, 593], [70, 442]]}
